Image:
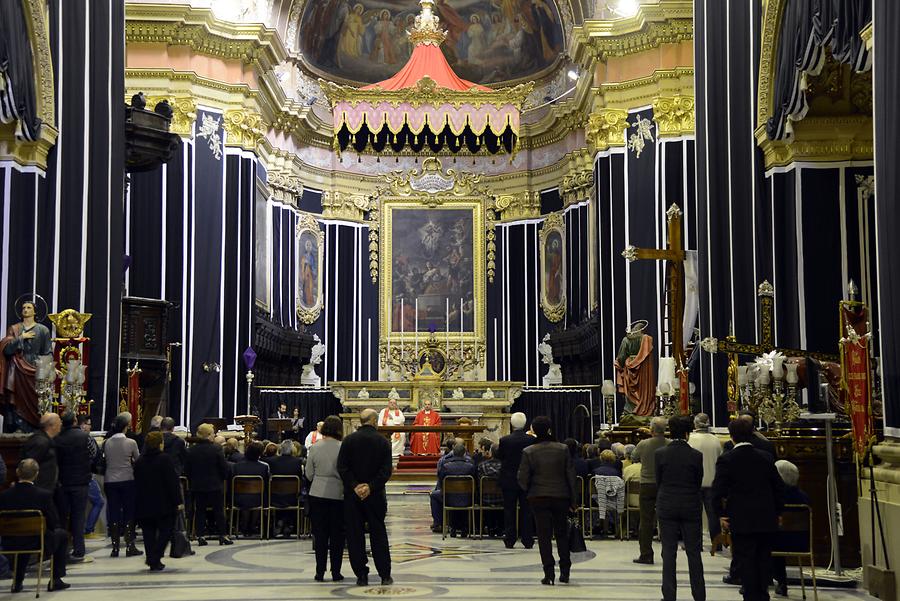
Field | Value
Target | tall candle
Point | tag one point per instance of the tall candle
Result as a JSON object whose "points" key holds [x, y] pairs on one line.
{"points": [[417, 331], [460, 330], [447, 325], [402, 323]]}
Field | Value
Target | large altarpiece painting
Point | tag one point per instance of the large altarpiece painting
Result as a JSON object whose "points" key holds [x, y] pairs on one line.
{"points": [[432, 252]]}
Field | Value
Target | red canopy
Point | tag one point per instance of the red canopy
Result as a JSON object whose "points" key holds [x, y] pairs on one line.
{"points": [[426, 60]]}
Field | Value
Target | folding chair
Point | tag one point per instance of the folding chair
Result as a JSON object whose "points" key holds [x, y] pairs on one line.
{"points": [[491, 486], [600, 485], [283, 486], [458, 485], [248, 485], [26, 523], [798, 520]]}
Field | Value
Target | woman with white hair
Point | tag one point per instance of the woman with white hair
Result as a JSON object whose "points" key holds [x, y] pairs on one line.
{"points": [[120, 453]]}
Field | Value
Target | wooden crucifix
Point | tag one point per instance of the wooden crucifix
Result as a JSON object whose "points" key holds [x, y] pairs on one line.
{"points": [[675, 256], [766, 344]]}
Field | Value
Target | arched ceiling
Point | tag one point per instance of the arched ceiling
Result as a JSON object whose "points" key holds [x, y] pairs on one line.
{"points": [[490, 41]]}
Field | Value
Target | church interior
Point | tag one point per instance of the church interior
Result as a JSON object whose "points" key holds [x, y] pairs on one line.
{"points": [[255, 214]]}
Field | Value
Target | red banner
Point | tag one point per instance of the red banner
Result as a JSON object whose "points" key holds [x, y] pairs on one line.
{"points": [[856, 372]]}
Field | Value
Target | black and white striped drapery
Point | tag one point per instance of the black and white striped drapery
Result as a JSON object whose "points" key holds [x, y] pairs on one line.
{"points": [[62, 230], [633, 192], [887, 190], [808, 27], [17, 94]]}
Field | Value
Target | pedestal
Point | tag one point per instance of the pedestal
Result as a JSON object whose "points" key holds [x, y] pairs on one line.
{"points": [[309, 377], [554, 376]]}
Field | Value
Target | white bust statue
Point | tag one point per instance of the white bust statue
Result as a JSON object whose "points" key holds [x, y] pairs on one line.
{"points": [[554, 374], [458, 394], [362, 394], [394, 395]]}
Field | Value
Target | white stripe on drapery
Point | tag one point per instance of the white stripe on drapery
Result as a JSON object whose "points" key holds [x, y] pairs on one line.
{"points": [[86, 113]]}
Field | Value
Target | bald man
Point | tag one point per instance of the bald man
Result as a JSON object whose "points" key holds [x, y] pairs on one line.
{"points": [[41, 448], [365, 465]]}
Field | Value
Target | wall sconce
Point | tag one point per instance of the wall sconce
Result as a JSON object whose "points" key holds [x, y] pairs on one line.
{"points": [[212, 367]]}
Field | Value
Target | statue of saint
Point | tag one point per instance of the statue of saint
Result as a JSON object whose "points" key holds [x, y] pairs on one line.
{"points": [[634, 370], [19, 351]]}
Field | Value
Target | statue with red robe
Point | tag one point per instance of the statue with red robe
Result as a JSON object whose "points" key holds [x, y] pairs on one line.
{"points": [[634, 370], [19, 351], [426, 443]]}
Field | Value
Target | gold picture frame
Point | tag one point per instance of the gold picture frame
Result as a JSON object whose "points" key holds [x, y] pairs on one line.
{"points": [[473, 206], [310, 260], [553, 267]]}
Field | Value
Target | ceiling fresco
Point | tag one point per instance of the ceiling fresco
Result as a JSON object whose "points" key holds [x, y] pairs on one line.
{"points": [[488, 41]]}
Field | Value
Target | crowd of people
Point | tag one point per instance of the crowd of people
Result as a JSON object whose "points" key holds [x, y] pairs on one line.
{"points": [[159, 482]]}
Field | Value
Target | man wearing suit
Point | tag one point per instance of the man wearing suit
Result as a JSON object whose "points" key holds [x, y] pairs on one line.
{"points": [[40, 447], [73, 455], [509, 452], [173, 445], [282, 412], [365, 465], [679, 503], [748, 494], [26, 495]]}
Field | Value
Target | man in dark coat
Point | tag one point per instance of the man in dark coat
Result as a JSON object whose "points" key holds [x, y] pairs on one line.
{"points": [[457, 464], [158, 497], [365, 465], [173, 445], [749, 494], [509, 452], [26, 495], [207, 471], [39, 446], [679, 503], [73, 455]]}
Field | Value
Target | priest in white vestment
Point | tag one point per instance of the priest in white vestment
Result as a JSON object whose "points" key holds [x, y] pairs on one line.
{"points": [[314, 436], [392, 416]]}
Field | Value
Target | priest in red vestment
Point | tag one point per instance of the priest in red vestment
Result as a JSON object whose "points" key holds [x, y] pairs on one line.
{"points": [[426, 443]]}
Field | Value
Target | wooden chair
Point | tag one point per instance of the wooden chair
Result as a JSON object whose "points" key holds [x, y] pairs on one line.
{"points": [[798, 519], [248, 485], [284, 485], [26, 523], [458, 485], [491, 486]]}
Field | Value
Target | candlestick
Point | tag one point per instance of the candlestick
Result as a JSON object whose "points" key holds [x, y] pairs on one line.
{"points": [[778, 368]]}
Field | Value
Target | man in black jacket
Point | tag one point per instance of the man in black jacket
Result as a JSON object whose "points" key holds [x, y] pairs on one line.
{"points": [[748, 493], [758, 440], [207, 471], [365, 465], [26, 495], [73, 455], [39, 446], [509, 452], [679, 503], [173, 445]]}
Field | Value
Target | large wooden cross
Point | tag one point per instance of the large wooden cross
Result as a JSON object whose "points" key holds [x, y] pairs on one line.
{"points": [[766, 344], [675, 256]]}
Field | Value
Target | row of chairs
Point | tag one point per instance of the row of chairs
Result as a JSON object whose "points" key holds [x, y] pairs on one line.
{"points": [[465, 485], [279, 486]]}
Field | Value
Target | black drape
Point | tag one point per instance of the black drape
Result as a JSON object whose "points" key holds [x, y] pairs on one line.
{"points": [[808, 27], [563, 407], [17, 100], [887, 149]]}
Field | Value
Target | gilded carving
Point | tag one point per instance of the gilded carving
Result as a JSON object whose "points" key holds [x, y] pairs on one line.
{"points": [[766, 85], [521, 205], [426, 92], [605, 128], [311, 242], [349, 207], [553, 267], [244, 128], [184, 112], [674, 116]]}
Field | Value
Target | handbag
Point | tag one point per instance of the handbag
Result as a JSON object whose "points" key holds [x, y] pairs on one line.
{"points": [[181, 545], [576, 537]]}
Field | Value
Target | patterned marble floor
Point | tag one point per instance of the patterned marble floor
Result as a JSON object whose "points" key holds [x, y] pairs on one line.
{"points": [[424, 566]]}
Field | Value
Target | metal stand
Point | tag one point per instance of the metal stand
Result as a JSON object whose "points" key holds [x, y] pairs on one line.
{"points": [[828, 418]]}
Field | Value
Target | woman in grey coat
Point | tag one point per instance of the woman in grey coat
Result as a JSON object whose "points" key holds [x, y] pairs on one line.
{"points": [[120, 453], [326, 498], [547, 475]]}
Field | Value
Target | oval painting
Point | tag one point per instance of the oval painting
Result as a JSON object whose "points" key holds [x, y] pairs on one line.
{"points": [[488, 41]]}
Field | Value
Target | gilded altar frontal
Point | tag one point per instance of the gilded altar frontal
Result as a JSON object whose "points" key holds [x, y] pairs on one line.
{"points": [[317, 298]]}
